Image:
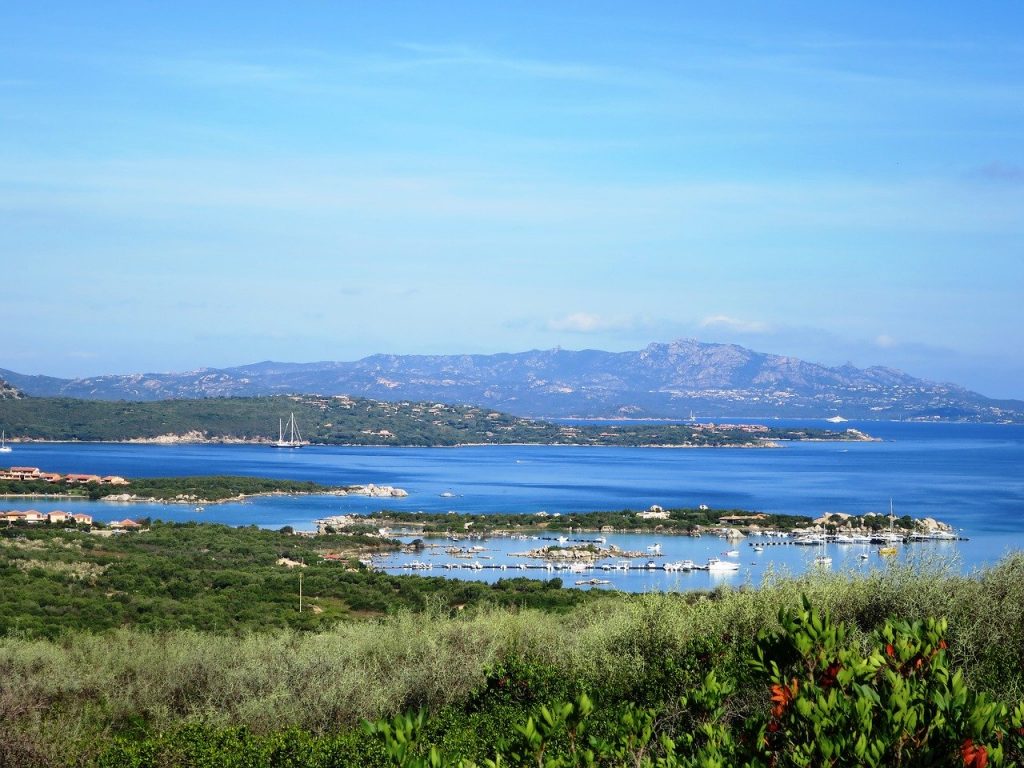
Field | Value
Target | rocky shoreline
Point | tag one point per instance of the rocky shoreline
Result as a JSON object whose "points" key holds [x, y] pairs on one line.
{"points": [[370, 490]]}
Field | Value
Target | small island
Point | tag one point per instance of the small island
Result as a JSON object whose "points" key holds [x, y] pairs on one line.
{"points": [[31, 482]]}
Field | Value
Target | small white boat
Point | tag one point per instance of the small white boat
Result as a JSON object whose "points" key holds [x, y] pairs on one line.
{"points": [[823, 560], [654, 549], [4, 447], [759, 548], [732, 553], [864, 555], [721, 566]]}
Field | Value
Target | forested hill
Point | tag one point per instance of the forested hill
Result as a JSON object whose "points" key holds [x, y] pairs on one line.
{"points": [[345, 421]]}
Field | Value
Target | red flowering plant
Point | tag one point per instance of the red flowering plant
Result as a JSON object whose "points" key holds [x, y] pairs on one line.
{"points": [[899, 703]]}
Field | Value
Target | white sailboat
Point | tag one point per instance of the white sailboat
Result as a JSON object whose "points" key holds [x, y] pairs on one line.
{"points": [[4, 447], [294, 439], [891, 539], [822, 558]]}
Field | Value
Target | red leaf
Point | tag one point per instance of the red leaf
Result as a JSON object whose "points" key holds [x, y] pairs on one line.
{"points": [[974, 756]]}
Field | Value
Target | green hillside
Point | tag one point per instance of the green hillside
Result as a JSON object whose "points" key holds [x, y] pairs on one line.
{"points": [[345, 421]]}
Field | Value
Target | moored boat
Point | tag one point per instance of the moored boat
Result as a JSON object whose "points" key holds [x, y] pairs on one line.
{"points": [[721, 566], [294, 439]]}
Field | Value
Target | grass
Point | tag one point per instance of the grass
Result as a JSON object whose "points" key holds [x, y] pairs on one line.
{"points": [[70, 694]]}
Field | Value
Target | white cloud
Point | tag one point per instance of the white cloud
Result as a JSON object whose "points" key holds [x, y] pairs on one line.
{"points": [[586, 322], [735, 324]]}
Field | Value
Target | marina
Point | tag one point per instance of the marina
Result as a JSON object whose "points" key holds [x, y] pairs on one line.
{"points": [[640, 562]]}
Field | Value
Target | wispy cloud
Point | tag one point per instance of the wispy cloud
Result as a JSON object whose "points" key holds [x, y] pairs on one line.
{"points": [[477, 58], [586, 322], [999, 172], [735, 324], [217, 71]]}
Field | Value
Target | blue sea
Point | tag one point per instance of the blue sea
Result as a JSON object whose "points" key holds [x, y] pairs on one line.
{"points": [[969, 475]]}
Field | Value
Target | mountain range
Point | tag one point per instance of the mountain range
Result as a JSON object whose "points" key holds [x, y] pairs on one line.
{"points": [[663, 380]]}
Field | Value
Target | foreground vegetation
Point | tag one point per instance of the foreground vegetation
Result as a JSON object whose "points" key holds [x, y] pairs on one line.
{"points": [[217, 578], [201, 658], [346, 421]]}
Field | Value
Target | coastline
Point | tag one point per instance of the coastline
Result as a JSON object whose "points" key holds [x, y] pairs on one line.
{"points": [[768, 443], [370, 490]]}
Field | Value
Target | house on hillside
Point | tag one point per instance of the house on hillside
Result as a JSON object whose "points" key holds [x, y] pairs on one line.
{"points": [[22, 473], [124, 525]]}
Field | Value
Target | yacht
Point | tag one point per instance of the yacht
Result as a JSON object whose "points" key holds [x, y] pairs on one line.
{"points": [[809, 540], [721, 566], [4, 447], [294, 438]]}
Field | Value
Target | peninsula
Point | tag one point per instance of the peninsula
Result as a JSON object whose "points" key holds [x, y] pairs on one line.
{"points": [[343, 420], [656, 519]]}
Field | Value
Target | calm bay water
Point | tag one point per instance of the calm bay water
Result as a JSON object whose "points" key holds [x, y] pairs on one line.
{"points": [[971, 476]]}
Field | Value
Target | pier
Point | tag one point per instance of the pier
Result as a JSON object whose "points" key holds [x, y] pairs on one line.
{"points": [[546, 567]]}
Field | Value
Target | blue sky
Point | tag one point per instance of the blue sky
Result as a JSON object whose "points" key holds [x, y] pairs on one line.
{"points": [[208, 184]]}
